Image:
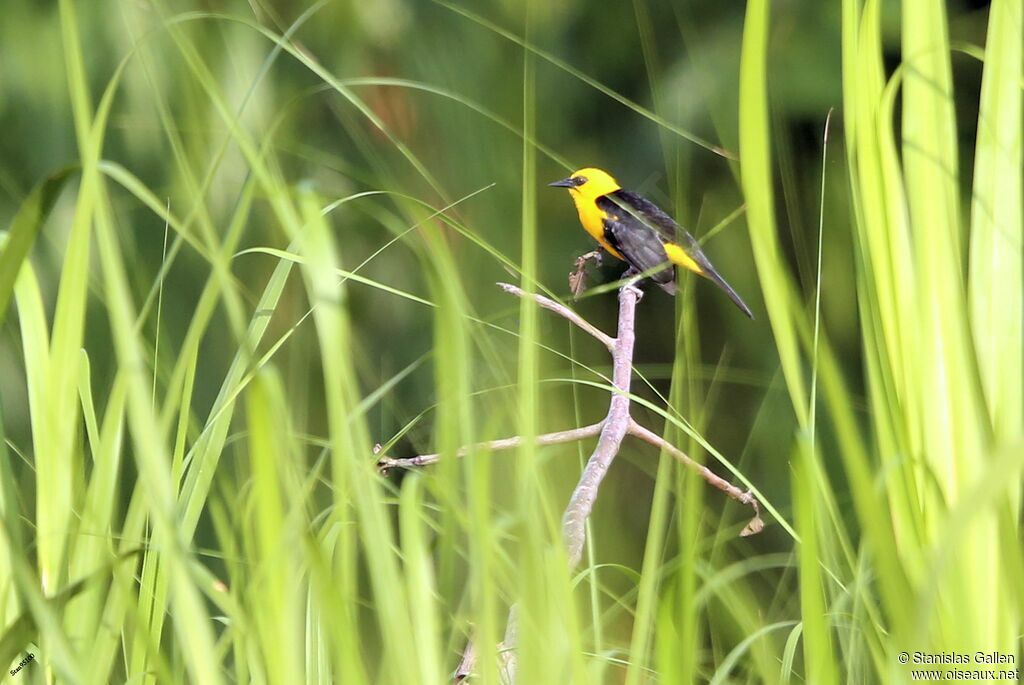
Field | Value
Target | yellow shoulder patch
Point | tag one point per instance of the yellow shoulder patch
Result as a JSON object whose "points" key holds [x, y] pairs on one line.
{"points": [[677, 255]]}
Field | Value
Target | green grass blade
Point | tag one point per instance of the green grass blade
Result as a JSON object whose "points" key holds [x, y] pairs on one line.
{"points": [[24, 228], [756, 179], [357, 490], [997, 226], [276, 580], [819, 655], [953, 421]]}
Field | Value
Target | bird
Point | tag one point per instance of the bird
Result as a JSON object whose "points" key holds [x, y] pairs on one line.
{"points": [[635, 230]]}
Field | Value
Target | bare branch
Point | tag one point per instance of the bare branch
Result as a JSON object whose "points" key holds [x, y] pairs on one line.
{"points": [[507, 648], [756, 524], [468, 663], [614, 431], [385, 464], [562, 311]]}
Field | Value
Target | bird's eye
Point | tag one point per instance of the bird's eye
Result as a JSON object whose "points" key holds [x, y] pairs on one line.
{"points": [[579, 180]]}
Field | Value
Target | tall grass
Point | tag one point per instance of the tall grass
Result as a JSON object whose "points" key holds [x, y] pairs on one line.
{"points": [[188, 488]]}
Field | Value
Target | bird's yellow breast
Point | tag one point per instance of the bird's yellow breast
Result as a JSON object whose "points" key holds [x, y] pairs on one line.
{"points": [[592, 217]]}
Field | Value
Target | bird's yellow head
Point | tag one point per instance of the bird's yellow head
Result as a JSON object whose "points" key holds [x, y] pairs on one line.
{"points": [[588, 184]]}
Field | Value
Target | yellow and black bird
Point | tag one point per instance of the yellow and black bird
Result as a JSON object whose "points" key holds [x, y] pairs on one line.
{"points": [[637, 231]]}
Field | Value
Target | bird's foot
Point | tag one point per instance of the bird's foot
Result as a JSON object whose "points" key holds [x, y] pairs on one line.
{"points": [[631, 277]]}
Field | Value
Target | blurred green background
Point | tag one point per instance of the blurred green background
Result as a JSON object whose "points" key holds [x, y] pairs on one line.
{"points": [[217, 144]]}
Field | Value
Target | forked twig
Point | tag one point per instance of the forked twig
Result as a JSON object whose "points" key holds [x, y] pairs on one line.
{"points": [[617, 424], [563, 312], [754, 526], [385, 464]]}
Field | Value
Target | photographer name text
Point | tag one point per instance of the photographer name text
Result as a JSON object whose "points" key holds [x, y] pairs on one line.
{"points": [[958, 658]]}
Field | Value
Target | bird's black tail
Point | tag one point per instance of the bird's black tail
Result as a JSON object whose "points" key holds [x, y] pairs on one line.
{"points": [[708, 272], [704, 268]]}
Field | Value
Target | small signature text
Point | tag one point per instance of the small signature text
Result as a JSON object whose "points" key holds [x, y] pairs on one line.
{"points": [[24, 662]]}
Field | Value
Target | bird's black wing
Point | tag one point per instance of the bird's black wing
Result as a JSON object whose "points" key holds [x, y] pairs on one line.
{"points": [[647, 212], [651, 215], [640, 244], [639, 222]]}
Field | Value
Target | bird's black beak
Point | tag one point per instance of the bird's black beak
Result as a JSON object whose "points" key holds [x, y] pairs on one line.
{"points": [[564, 183]]}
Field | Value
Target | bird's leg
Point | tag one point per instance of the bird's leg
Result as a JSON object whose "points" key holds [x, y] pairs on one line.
{"points": [[578, 277]]}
